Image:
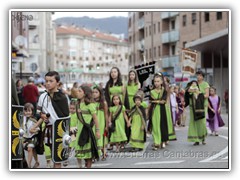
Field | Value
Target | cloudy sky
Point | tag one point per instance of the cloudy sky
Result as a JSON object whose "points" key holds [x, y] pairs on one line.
{"points": [[90, 14]]}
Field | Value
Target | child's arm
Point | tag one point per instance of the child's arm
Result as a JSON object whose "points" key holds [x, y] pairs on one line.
{"points": [[106, 115], [126, 119], [110, 119], [96, 125]]}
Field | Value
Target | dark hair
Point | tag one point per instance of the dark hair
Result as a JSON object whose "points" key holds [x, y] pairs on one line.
{"points": [[29, 106], [136, 81], [101, 98], [213, 87], [88, 94], [119, 78], [120, 102], [200, 72], [55, 74], [18, 82], [137, 96]]}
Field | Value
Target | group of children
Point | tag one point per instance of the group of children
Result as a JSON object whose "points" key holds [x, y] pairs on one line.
{"points": [[96, 123]]}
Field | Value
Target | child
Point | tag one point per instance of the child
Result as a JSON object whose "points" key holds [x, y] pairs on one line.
{"points": [[174, 105], [73, 126], [117, 120], [102, 115], [195, 89], [52, 105], [138, 124], [157, 113], [30, 132], [86, 139], [214, 110]]}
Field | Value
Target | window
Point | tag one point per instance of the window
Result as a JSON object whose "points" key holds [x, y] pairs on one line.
{"points": [[150, 30], [219, 15], [184, 20], [146, 51], [72, 42], [206, 16], [146, 29], [159, 51], [194, 18], [173, 49], [86, 58], [159, 28], [154, 28], [184, 44], [150, 53], [172, 24]]}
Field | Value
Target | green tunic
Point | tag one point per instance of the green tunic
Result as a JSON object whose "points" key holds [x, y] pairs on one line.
{"points": [[73, 124], [84, 152], [137, 129], [171, 130], [116, 90], [197, 130], [119, 134], [102, 124], [132, 90], [156, 119]]}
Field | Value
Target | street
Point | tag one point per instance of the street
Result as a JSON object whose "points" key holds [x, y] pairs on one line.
{"points": [[178, 154]]}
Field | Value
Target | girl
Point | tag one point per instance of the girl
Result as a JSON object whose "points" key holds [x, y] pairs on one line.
{"points": [[171, 130], [30, 134], [132, 86], [102, 115], [115, 86], [197, 130], [138, 123], [173, 104], [157, 113], [117, 120], [86, 144], [214, 110]]}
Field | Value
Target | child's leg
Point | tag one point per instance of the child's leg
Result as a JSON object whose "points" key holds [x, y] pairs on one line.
{"points": [[88, 163], [30, 156], [79, 163]]}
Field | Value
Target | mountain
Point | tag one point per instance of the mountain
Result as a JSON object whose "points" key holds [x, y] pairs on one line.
{"points": [[115, 25]]}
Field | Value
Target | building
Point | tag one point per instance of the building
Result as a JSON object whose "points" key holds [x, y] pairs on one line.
{"points": [[161, 36], [38, 36], [87, 56]]}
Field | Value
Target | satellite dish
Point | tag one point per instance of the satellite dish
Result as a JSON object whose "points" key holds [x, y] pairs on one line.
{"points": [[20, 40]]}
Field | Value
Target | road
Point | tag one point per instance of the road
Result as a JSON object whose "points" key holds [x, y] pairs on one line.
{"points": [[178, 154]]}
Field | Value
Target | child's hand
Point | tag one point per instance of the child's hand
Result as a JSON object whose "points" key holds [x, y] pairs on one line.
{"points": [[98, 134]]}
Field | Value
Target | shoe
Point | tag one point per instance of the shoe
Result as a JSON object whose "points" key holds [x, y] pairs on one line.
{"points": [[163, 145], [155, 148], [204, 143], [36, 165], [196, 144], [216, 134], [65, 163]]}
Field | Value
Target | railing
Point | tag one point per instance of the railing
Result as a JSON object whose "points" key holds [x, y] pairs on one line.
{"points": [[165, 15], [171, 36], [170, 61]]}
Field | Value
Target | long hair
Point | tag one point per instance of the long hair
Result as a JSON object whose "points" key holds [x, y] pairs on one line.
{"points": [[88, 94], [101, 97], [136, 81], [119, 78]]}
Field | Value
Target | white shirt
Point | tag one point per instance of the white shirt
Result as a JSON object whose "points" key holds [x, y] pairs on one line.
{"points": [[45, 103]]}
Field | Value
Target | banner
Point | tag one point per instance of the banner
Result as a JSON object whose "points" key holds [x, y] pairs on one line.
{"points": [[189, 61]]}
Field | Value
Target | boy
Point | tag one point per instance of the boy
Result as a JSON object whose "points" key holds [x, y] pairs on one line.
{"points": [[52, 105]]}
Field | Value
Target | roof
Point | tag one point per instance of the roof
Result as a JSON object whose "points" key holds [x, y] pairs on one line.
{"points": [[86, 32]]}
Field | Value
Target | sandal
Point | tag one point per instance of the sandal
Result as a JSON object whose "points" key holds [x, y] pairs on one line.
{"points": [[36, 165]]}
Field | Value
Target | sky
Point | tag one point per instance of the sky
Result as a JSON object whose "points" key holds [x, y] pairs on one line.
{"points": [[89, 14]]}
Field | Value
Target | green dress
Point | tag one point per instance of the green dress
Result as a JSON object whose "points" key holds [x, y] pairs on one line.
{"points": [[132, 90], [171, 130], [116, 90], [84, 152], [197, 130], [102, 124], [119, 134], [137, 131], [156, 120], [73, 124]]}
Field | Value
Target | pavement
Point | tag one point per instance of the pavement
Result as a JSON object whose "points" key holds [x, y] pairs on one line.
{"points": [[177, 154]]}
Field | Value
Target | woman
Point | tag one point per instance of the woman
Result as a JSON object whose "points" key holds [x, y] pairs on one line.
{"points": [[197, 130]]}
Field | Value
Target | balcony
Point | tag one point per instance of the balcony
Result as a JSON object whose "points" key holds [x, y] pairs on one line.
{"points": [[141, 23], [170, 61], [171, 36], [165, 15]]}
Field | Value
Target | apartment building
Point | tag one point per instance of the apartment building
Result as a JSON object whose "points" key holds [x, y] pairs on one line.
{"points": [[87, 56], [161, 36]]}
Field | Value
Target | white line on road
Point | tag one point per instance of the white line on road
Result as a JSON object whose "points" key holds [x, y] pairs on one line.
{"points": [[101, 165], [225, 150], [158, 162]]}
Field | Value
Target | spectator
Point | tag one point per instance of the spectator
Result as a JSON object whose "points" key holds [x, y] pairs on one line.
{"points": [[226, 99], [30, 93], [19, 86]]}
